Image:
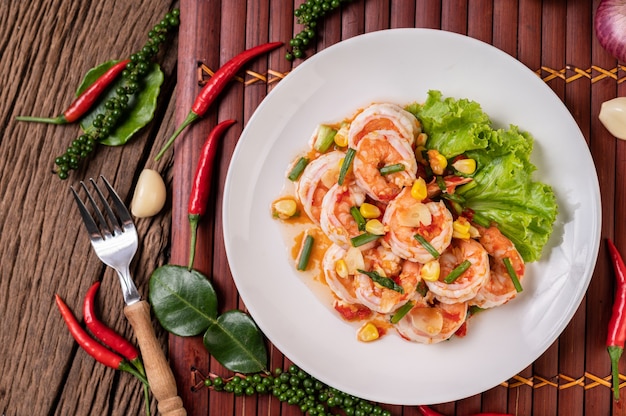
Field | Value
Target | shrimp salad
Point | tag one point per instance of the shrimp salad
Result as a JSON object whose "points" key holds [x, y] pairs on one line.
{"points": [[424, 215]]}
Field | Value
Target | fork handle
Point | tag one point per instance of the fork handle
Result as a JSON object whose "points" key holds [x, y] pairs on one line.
{"points": [[158, 371]]}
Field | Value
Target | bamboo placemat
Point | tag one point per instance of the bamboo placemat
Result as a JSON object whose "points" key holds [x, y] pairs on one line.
{"points": [[555, 39]]}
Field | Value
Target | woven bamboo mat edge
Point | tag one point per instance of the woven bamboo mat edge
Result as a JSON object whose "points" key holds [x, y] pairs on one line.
{"points": [[568, 74]]}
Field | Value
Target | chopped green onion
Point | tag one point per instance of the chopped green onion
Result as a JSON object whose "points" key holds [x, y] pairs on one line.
{"points": [[345, 166], [383, 281], [480, 219], [389, 169], [457, 271], [453, 197], [453, 207], [432, 250], [298, 168], [403, 310], [441, 183], [358, 217], [363, 239], [427, 168], [325, 138], [422, 289], [305, 253], [467, 187], [512, 274], [473, 310]]}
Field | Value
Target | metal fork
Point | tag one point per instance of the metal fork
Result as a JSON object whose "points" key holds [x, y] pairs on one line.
{"points": [[117, 247], [114, 239]]}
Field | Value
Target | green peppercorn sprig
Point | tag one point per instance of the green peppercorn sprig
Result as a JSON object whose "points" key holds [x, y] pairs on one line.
{"points": [[309, 14], [115, 107], [296, 388]]}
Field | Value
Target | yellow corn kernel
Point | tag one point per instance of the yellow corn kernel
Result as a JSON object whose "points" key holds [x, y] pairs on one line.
{"points": [[438, 162], [461, 228], [420, 141], [285, 208], [473, 231], [369, 211], [430, 271], [368, 332], [375, 227], [341, 138], [341, 267], [466, 166], [419, 190]]}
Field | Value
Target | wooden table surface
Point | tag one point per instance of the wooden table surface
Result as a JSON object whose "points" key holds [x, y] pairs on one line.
{"points": [[46, 46]]}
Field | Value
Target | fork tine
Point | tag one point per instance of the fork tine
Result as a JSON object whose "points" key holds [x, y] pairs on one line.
{"points": [[90, 224], [105, 226], [121, 209], [107, 208]]}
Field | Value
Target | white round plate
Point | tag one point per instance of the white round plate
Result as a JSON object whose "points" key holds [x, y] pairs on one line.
{"points": [[400, 66]]}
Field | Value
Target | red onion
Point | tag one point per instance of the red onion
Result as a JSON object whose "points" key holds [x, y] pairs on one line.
{"points": [[610, 25]]}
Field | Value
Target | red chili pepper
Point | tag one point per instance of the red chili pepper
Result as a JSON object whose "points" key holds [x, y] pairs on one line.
{"points": [[617, 324], [215, 85], [91, 346], [85, 100], [102, 332], [201, 187], [427, 411]]}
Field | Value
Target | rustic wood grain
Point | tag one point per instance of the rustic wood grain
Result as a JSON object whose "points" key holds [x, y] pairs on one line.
{"points": [[45, 48]]}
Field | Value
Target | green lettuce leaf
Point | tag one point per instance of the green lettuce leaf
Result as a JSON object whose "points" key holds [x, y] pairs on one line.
{"points": [[504, 190], [453, 126]]}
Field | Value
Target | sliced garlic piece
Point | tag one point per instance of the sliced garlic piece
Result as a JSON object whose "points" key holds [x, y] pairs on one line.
{"points": [[427, 320], [418, 214], [354, 260]]}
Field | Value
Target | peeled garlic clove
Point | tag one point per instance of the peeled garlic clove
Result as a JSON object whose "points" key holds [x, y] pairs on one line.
{"points": [[150, 194], [613, 116]]}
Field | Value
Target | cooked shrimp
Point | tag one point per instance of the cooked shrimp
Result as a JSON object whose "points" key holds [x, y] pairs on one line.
{"points": [[335, 218], [315, 181], [467, 285], [406, 217], [432, 323], [376, 297], [379, 149], [384, 116], [499, 289]]}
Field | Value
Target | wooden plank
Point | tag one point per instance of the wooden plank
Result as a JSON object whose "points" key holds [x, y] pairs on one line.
{"points": [[47, 46], [600, 292], [199, 25]]}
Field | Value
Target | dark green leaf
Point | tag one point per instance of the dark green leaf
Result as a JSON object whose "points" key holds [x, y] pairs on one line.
{"points": [[383, 281], [183, 301], [141, 106], [237, 343]]}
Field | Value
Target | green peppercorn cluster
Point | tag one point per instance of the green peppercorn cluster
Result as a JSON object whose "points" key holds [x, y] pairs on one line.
{"points": [[115, 107], [297, 388], [309, 14]]}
